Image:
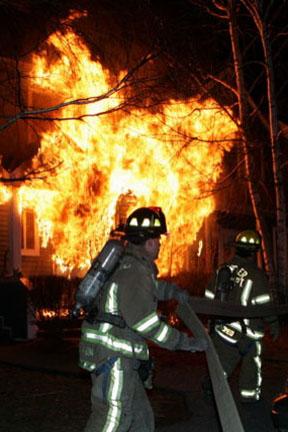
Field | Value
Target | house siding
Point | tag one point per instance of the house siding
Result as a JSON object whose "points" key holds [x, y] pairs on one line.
{"points": [[31, 265], [38, 265], [4, 229]]}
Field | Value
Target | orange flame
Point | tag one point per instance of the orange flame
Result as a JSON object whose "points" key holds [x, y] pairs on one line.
{"points": [[5, 194], [166, 159]]}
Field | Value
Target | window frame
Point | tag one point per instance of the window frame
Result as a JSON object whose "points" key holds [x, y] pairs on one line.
{"points": [[25, 251]]}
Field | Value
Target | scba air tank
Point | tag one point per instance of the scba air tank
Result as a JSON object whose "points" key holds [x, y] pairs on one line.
{"points": [[102, 267]]}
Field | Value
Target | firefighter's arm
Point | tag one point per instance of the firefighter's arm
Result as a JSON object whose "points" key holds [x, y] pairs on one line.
{"points": [[151, 327], [263, 296], [138, 308], [166, 291]]}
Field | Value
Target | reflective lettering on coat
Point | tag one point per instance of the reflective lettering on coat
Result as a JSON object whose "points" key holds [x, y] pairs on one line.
{"points": [[240, 276]]}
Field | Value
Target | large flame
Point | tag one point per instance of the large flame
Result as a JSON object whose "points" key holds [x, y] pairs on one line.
{"points": [[168, 158], [5, 194]]}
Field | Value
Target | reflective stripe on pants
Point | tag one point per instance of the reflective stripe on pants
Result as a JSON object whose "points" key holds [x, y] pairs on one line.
{"points": [[250, 378], [123, 404]]}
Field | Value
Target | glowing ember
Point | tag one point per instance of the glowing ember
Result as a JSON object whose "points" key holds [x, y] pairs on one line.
{"points": [[166, 159], [48, 314]]}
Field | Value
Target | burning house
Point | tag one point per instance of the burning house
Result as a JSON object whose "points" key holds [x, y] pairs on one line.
{"points": [[95, 127], [97, 159]]}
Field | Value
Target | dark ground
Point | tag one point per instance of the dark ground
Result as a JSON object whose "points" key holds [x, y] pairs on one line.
{"points": [[43, 390]]}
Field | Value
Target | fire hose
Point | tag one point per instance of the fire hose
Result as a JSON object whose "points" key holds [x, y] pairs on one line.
{"points": [[227, 410], [218, 308]]}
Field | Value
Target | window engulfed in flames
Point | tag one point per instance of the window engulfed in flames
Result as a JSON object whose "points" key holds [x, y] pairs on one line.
{"points": [[166, 158]]}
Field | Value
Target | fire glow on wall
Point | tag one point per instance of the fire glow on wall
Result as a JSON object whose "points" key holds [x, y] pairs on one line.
{"points": [[166, 157]]}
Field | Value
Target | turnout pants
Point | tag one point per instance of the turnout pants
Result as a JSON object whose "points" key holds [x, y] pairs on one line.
{"points": [[248, 352], [119, 400]]}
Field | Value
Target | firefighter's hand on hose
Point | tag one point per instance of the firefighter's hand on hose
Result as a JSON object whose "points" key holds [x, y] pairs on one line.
{"points": [[195, 344]]}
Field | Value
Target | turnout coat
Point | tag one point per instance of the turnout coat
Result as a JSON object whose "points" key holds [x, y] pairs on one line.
{"points": [[131, 295]]}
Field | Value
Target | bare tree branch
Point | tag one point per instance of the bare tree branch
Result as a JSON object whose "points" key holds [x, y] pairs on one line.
{"points": [[125, 83], [40, 173]]}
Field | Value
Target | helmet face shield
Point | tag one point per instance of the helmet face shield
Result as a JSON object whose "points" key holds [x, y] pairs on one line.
{"points": [[248, 240], [145, 223]]}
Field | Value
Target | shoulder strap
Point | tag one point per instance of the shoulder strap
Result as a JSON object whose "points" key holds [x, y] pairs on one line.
{"points": [[224, 282]]}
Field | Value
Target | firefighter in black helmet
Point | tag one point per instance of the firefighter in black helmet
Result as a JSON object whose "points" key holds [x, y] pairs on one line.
{"points": [[240, 281], [144, 223], [115, 343]]}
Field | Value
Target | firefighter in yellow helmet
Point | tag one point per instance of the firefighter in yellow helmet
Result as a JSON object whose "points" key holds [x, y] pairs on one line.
{"points": [[113, 346], [240, 281]]}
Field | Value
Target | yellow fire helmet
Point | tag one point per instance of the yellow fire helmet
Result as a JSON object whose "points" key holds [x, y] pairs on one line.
{"points": [[249, 240]]}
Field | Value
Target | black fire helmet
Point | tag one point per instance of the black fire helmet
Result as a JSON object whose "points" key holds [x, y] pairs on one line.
{"points": [[145, 223]]}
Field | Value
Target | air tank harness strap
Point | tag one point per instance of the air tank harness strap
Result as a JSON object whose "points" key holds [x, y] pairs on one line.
{"points": [[243, 326], [104, 317], [105, 368]]}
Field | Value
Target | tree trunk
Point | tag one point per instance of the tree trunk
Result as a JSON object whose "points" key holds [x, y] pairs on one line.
{"points": [[255, 9], [244, 130]]}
